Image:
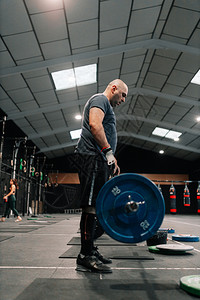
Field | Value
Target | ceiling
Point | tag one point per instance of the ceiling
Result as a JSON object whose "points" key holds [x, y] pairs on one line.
{"points": [[154, 46]]}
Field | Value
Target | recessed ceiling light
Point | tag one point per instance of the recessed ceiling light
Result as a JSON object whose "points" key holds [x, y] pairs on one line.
{"points": [[78, 117], [170, 134], [75, 134], [160, 131], [176, 139], [79, 76], [86, 74], [64, 79], [161, 151], [198, 119], [196, 78], [173, 134]]}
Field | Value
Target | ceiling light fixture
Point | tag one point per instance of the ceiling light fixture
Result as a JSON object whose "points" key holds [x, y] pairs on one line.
{"points": [[64, 79], [198, 119], [75, 134], [161, 151], [78, 117], [79, 76], [174, 135], [196, 78], [170, 134], [176, 139], [160, 131]]}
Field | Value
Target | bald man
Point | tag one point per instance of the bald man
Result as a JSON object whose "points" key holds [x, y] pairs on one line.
{"points": [[95, 150]]}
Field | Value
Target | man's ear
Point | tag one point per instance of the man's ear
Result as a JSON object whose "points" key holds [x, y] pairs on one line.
{"points": [[114, 88]]}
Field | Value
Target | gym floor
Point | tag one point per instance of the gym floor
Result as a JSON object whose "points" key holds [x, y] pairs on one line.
{"points": [[31, 268]]}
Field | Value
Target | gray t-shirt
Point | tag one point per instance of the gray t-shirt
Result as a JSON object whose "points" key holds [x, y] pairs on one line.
{"points": [[87, 143]]}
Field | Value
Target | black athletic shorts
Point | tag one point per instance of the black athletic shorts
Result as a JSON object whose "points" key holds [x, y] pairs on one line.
{"points": [[93, 173]]}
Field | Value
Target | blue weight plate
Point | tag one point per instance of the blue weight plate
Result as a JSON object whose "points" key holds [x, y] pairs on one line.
{"points": [[134, 226], [169, 230], [185, 238]]}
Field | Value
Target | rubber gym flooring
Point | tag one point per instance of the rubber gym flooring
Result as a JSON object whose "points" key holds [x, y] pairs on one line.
{"points": [[32, 266]]}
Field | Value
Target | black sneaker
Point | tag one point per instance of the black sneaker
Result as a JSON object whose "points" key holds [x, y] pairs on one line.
{"points": [[100, 257], [91, 264]]}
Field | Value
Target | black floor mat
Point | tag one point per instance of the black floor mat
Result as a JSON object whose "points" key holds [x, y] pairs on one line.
{"points": [[19, 229], [37, 222], [5, 237], [77, 289], [102, 241], [115, 252]]}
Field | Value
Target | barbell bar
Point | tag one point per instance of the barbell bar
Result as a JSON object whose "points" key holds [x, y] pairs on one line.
{"points": [[130, 208]]}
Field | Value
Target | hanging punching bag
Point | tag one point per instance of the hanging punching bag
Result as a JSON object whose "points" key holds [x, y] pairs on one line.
{"points": [[186, 196], [172, 193], [198, 198]]}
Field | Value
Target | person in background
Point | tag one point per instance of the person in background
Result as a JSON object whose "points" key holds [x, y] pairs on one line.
{"points": [[11, 201], [96, 163]]}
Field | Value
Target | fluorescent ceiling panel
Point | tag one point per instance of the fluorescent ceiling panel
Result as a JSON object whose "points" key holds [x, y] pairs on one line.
{"points": [[160, 131], [173, 134], [170, 134], [64, 79], [86, 74], [196, 78], [79, 76], [75, 134]]}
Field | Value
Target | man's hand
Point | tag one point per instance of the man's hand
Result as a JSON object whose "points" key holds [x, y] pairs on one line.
{"points": [[117, 169], [111, 160], [109, 156]]}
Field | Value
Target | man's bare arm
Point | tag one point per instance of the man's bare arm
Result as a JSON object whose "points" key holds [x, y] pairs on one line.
{"points": [[96, 116]]}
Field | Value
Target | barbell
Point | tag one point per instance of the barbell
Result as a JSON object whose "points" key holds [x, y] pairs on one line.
{"points": [[130, 208]]}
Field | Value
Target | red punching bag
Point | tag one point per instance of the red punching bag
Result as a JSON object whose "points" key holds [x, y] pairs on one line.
{"points": [[198, 198], [186, 196], [172, 193]]}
